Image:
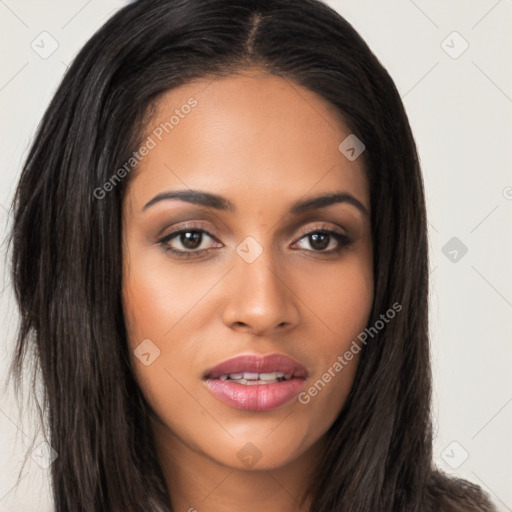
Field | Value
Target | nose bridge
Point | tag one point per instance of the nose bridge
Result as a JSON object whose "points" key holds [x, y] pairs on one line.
{"points": [[258, 272], [259, 298]]}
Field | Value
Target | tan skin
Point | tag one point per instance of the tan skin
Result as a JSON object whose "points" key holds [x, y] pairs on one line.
{"points": [[263, 143]]}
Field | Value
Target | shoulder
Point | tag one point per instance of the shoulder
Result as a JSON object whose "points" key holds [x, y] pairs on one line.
{"points": [[449, 494]]}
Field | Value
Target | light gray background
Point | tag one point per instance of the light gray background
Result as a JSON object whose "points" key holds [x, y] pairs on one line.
{"points": [[461, 114]]}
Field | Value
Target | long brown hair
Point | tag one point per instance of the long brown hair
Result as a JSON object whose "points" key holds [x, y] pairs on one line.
{"points": [[66, 255]]}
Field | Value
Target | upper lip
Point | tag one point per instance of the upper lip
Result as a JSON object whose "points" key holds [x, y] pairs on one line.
{"points": [[258, 364]]}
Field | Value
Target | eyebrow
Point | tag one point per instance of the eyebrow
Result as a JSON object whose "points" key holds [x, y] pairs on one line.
{"points": [[221, 203]]}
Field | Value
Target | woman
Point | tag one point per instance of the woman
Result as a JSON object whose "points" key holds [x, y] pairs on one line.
{"points": [[220, 251]]}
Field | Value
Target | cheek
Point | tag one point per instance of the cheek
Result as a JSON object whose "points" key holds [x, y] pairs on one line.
{"points": [[158, 296], [341, 297], [341, 302], [165, 304], [154, 301], [345, 301], [144, 300]]}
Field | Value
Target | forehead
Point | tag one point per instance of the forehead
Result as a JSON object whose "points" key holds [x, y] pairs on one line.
{"points": [[247, 132]]}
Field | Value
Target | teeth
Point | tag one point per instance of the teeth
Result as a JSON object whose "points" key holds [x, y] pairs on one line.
{"points": [[250, 376], [271, 376], [252, 379]]}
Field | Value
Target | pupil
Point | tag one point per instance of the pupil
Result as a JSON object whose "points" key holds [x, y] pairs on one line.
{"points": [[315, 240], [191, 239]]}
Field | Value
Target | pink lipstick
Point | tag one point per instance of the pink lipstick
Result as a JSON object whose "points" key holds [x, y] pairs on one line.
{"points": [[255, 382]]}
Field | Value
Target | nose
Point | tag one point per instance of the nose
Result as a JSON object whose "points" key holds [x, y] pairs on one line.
{"points": [[261, 299]]}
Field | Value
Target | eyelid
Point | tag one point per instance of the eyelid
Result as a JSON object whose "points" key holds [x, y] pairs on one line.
{"points": [[184, 227], [321, 226]]}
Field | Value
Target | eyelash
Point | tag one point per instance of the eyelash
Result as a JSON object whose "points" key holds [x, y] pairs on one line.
{"points": [[343, 240]]}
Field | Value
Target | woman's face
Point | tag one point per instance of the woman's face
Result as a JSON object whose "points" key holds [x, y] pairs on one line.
{"points": [[272, 287]]}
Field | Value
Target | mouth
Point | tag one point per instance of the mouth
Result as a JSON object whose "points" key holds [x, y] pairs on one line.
{"points": [[252, 379], [256, 383]]}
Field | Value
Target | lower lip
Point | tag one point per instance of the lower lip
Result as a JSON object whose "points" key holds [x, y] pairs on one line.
{"points": [[260, 397]]}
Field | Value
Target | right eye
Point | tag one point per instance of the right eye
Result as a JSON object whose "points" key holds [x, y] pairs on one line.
{"points": [[190, 238]]}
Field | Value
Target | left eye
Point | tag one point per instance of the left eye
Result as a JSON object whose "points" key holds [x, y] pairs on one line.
{"points": [[190, 239], [321, 240]]}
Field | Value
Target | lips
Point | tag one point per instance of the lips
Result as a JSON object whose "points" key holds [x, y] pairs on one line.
{"points": [[256, 383]]}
